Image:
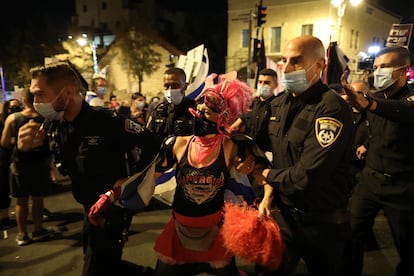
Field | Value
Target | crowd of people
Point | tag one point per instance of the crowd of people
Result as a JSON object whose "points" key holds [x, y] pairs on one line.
{"points": [[323, 162]]}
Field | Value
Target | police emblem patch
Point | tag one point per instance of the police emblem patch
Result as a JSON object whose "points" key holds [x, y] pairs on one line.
{"points": [[93, 140], [410, 99], [327, 130], [132, 126]]}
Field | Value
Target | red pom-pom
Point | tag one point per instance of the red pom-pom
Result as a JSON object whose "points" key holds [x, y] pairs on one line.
{"points": [[256, 240]]}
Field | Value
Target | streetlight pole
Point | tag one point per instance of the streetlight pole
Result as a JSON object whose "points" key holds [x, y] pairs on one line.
{"points": [[95, 58], [3, 84], [248, 70], [341, 6], [82, 41]]}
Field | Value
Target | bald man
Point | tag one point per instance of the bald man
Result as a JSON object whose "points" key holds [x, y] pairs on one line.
{"points": [[361, 126], [311, 133]]}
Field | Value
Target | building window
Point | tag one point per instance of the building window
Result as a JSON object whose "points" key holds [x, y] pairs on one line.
{"points": [[245, 38], [378, 41], [85, 8], [356, 40], [104, 27], [275, 37], [353, 43], [307, 29]]}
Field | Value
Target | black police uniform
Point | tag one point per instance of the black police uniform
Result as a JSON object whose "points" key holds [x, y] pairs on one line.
{"points": [[167, 119], [255, 121], [387, 180], [311, 137], [361, 124], [91, 150]]}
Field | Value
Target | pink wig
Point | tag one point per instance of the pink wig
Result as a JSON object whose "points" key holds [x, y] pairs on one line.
{"points": [[230, 97], [256, 240]]}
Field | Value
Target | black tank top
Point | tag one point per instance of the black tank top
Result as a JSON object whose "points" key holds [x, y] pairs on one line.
{"points": [[200, 191]]}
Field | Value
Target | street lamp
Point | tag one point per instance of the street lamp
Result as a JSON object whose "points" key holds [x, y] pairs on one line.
{"points": [[341, 6], [82, 41]]}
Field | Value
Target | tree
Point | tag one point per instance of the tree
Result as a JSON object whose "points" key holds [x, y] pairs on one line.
{"points": [[80, 57], [137, 50]]}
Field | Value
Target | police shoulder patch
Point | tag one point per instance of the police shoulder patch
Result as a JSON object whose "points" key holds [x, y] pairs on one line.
{"points": [[327, 130], [133, 127], [411, 98]]}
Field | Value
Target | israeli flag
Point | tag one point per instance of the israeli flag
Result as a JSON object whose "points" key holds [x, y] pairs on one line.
{"points": [[196, 66], [137, 191]]}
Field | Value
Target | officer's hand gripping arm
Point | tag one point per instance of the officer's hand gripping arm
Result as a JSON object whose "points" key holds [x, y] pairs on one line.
{"points": [[166, 158]]}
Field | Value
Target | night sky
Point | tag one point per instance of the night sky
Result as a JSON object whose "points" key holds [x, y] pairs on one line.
{"points": [[405, 8], [59, 12], [51, 17]]}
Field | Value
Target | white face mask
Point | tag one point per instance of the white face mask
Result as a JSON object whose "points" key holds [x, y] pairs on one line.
{"points": [[173, 96], [296, 81], [140, 105], [264, 91], [47, 110], [383, 78]]}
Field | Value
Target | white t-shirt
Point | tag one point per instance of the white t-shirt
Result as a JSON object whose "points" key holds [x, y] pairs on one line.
{"points": [[97, 102]]}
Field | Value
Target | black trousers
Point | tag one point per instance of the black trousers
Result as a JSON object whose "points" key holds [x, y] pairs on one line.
{"points": [[103, 245], [375, 192], [321, 245]]}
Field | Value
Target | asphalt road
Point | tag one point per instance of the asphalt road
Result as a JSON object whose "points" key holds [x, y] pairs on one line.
{"points": [[62, 254]]}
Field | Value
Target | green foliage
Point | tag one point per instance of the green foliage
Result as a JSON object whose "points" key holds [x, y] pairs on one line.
{"points": [[138, 53]]}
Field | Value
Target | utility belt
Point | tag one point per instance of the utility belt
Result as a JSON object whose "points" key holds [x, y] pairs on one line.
{"points": [[117, 222], [386, 177], [336, 216]]}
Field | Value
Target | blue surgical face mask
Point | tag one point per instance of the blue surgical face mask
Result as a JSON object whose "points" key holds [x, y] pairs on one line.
{"points": [[101, 90], [296, 81], [47, 110], [264, 91], [173, 96]]}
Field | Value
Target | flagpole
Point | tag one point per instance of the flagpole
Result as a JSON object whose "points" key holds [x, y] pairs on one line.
{"points": [[250, 46]]}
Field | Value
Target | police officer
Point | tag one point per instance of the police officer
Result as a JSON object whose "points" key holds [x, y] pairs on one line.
{"points": [[311, 132], [90, 143], [360, 146], [253, 123], [171, 116], [387, 180]]}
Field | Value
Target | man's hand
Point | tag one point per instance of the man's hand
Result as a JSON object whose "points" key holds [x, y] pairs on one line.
{"points": [[31, 135], [361, 152], [260, 175], [264, 207], [105, 200], [247, 165], [266, 203], [357, 99]]}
